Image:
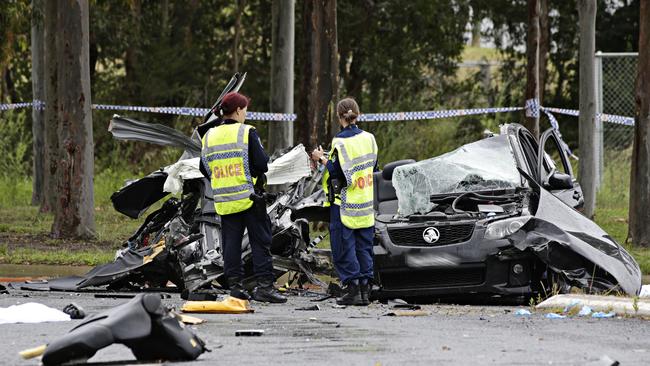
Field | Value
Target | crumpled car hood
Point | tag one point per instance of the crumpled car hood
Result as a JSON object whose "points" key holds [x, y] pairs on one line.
{"points": [[130, 129], [575, 247]]}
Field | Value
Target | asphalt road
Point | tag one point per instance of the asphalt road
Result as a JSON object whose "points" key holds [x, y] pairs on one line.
{"points": [[450, 334]]}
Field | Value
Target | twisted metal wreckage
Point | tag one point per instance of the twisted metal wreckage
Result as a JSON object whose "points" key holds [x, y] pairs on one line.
{"points": [[494, 217]]}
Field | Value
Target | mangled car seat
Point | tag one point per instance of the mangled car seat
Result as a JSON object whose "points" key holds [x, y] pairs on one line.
{"points": [[385, 196], [142, 324]]}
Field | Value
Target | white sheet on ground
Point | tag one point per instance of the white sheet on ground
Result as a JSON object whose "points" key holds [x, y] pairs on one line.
{"points": [[31, 312]]}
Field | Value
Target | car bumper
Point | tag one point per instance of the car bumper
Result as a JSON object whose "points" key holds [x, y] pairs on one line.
{"points": [[475, 266]]}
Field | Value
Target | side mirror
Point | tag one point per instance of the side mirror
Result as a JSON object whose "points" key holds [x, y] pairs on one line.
{"points": [[560, 181]]}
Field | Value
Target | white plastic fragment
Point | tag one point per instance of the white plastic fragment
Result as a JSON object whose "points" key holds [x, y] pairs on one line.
{"points": [[601, 314], [522, 312], [586, 310], [571, 305], [554, 316], [645, 291]]}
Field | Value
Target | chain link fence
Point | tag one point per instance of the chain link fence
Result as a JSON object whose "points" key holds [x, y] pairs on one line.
{"points": [[615, 77]]}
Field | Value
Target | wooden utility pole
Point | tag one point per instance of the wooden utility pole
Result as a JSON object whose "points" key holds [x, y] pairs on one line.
{"points": [[282, 60], [639, 227], [74, 214], [38, 96], [50, 127], [588, 169], [532, 65], [319, 83], [236, 45], [544, 47]]}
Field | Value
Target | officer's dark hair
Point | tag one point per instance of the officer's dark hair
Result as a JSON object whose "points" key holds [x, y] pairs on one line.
{"points": [[348, 109], [231, 102]]}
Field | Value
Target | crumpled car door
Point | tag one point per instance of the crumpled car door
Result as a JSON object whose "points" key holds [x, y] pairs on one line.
{"points": [[554, 170], [576, 247]]}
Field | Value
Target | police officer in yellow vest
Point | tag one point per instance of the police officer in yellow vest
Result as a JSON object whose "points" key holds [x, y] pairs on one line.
{"points": [[349, 187], [234, 159]]}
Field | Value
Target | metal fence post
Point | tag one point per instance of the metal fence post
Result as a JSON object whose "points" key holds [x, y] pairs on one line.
{"points": [[599, 123]]}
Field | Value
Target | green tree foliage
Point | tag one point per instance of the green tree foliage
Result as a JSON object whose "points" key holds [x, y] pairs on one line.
{"points": [[617, 30], [394, 55], [401, 55], [14, 51]]}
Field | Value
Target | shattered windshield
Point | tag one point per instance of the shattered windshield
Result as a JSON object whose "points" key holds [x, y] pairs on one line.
{"points": [[483, 165]]}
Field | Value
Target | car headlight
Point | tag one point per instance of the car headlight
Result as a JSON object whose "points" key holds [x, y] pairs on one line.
{"points": [[502, 228]]}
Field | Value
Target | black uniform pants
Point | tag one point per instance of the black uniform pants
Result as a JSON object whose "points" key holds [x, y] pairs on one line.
{"points": [[258, 224]]}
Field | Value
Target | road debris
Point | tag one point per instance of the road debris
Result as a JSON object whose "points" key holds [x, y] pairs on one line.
{"points": [[229, 305], [586, 310], [606, 304], [188, 319], [249, 333], [401, 304], [523, 312], [601, 314], [144, 324], [554, 316], [75, 311], [407, 313], [309, 308]]}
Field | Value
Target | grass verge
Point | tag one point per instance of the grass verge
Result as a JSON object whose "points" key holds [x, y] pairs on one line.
{"points": [[24, 231]]}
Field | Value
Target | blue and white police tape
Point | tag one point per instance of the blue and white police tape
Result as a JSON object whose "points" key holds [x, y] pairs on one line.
{"points": [[532, 109], [196, 112], [611, 118], [6, 107], [424, 115]]}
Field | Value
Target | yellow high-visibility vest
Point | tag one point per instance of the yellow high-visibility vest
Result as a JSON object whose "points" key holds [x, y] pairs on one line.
{"points": [[357, 156], [225, 149]]}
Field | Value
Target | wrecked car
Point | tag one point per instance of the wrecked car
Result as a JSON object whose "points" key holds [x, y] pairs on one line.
{"points": [[496, 217], [180, 241]]}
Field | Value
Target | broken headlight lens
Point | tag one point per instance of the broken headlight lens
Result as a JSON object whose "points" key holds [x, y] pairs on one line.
{"points": [[501, 229]]}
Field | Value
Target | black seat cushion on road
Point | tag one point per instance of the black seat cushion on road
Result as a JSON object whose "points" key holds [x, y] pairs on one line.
{"points": [[143, 324], [385, 196]]}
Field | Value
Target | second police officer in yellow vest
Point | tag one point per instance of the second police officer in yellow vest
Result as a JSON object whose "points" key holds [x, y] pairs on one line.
{"points": [[348, 183], [234, 159]]}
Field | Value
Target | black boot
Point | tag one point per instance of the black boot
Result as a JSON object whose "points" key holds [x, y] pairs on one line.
{"points": [[265, 292], [237, 289], [352, 295], [364, 289]]}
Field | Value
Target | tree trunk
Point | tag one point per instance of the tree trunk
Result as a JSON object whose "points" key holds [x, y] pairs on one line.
{"points": [[319, 73], [237, 38], [74, 208], [588, 168], [51, 142], [38, 96], [532, 66], [282, 60], [476, 30], [331, 37], [132, 51], [544, 47], [639, 229]]}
